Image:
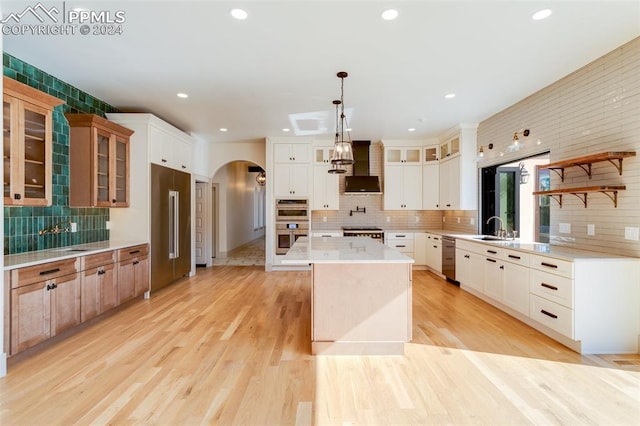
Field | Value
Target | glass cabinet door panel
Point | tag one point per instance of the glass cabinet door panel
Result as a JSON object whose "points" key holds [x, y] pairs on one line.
{"points": [[430, 154], [102, 190], [35, 152], [121, 171], [412, 155], [6, 150]]}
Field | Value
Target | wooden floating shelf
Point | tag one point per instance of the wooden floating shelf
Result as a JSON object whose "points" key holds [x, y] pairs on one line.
{"points": [[581, 193], [585, 163]]}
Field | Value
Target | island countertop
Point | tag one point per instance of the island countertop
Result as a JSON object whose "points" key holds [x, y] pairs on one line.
{"points": [[307, 250]]}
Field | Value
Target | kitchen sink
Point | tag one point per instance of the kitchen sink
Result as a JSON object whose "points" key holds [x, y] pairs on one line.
{"points": [[73, 249], [489, 238]]}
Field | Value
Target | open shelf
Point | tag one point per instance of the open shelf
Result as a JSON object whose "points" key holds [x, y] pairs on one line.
{"points": [[585, 162], [581, 193]]}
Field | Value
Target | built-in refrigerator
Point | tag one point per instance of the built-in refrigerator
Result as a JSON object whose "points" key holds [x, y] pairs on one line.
{"points": [[170, 225]]}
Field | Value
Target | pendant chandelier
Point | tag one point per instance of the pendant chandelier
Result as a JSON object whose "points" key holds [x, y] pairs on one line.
{"points": [[342, 150], [335, 167]]}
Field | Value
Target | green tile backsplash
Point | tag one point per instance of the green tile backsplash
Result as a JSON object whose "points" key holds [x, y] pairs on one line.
{"points": [[21, 224]]}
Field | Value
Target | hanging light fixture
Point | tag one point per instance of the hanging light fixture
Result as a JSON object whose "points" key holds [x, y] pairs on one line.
{"points": [[335, 167], [524, 174], [261, 178], [343, 150]]}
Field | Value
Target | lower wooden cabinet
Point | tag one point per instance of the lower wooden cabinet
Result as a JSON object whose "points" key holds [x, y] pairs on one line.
{"points": [[45, 301], [49, 298]]}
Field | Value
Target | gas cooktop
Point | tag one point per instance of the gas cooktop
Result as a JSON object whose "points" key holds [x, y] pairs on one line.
{"points": [[361, 228]]}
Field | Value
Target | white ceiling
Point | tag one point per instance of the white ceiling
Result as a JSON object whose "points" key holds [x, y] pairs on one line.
{"points": [[249, 76]]}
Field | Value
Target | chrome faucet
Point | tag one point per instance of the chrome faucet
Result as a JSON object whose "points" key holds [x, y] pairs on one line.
{"points": [[501, 232], [58, 228]]}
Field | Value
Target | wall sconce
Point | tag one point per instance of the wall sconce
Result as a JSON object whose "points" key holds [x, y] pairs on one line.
{"points": [[524, 174], [261, 178], [481, 152], [516, 139]]}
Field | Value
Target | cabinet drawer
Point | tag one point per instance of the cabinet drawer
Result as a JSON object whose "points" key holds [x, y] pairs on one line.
{"points": [[98, 259], [553, 287], [399, 235], [516, 257], [46, 271], [403, 246], [470, 246], [131, 252], [554, 266], [554, 316]]}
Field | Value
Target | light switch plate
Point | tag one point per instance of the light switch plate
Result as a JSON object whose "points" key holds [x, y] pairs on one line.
{"points": [[74, 227], [388, 219], [417, 219], [632, 233], [565, 228], [107, 225], [591, 229], [472, 221], [324, 218], [458, 220]]}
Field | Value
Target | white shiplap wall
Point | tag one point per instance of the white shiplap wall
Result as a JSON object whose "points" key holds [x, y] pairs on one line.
{"points": [[595, 109]]}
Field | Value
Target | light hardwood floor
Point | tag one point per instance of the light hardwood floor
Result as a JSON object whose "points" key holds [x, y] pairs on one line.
{"points": [[232, 346]]}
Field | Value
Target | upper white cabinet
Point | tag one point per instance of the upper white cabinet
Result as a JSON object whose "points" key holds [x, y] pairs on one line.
{"points": [[291, 173], [291, 153], [402, 155], [458, 178], [170, 150], [326, 186], [430, 178]]}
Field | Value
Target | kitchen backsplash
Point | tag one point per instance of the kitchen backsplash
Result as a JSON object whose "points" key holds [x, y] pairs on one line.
{"points": [[375, 215], [21, 224]]}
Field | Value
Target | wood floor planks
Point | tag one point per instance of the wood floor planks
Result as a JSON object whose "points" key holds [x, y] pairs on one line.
{"points": [[232, 346]]}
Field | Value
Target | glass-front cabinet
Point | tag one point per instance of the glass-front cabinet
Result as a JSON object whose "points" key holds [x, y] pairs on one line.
{"points": [[27, 144], [98, 162]]}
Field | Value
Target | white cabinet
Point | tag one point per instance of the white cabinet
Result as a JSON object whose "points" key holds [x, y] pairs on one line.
{"points": [[458, 170], [170, 149], [469, 268], [292, 169], [403, 155], [403, 187], [401, 241], [516, 287], [292, 152], [430, 186], [326, 189], [434, 252], [420, 248], [322, 154]]}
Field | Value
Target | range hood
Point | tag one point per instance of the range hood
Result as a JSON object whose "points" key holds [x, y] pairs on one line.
{"points": [[361, 182]]}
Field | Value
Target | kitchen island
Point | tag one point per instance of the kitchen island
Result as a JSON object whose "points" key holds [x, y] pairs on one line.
{"points": [[360, 295]]}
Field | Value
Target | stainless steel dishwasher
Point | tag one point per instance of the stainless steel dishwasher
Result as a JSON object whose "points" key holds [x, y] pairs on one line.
{"points": [[449, 257]]}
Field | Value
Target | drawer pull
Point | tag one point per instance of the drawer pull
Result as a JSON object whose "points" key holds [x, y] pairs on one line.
{"points": [[549, 265], [466, 256], [134, 252], [492, 251], [435, 246], [50, 271], [552, 287], [549, 314], [491, 260], [513, 256], [400, 236], [400, 245], [135, 262]]}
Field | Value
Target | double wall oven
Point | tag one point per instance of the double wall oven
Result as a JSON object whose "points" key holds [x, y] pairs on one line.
{"points": [[292, 222]]}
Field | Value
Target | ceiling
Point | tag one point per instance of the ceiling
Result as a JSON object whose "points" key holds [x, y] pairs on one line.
{"points": [[250, 76]]}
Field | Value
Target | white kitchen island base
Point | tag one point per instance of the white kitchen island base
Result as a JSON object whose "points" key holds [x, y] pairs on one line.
{"points": [[360, 295]]}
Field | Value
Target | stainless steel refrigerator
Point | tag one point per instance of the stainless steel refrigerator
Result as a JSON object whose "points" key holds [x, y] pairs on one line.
{"points": [[170, 225]]}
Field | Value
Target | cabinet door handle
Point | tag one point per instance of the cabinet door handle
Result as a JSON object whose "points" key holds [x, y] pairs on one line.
{"points": [[492, 251], [549, 286], [511, 256], [135, 262], [400, 236], [466, 256], [49, 287], [134, 252], [549, 314], [184, 167], [435, 246], [17, 196], [50, 271], [549, 265], [400, 245], [491, 260], [113, 201], [164, 160], [501, 266]]}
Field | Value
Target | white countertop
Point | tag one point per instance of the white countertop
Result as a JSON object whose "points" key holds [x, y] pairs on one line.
{"points": [[306, 251], [20, 260]]}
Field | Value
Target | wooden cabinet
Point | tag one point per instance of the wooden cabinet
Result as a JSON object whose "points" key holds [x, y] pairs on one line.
{"points": [[45, 300], [27, 144], [133, 272], [98, 162], [99, 284]]}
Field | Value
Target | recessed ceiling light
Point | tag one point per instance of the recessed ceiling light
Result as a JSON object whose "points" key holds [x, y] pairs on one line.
{"points": [[182, 95], [411, 129], [389, 15], [223, 129], [450, 95], [239, 14], [285, 129], [541, 14]]}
